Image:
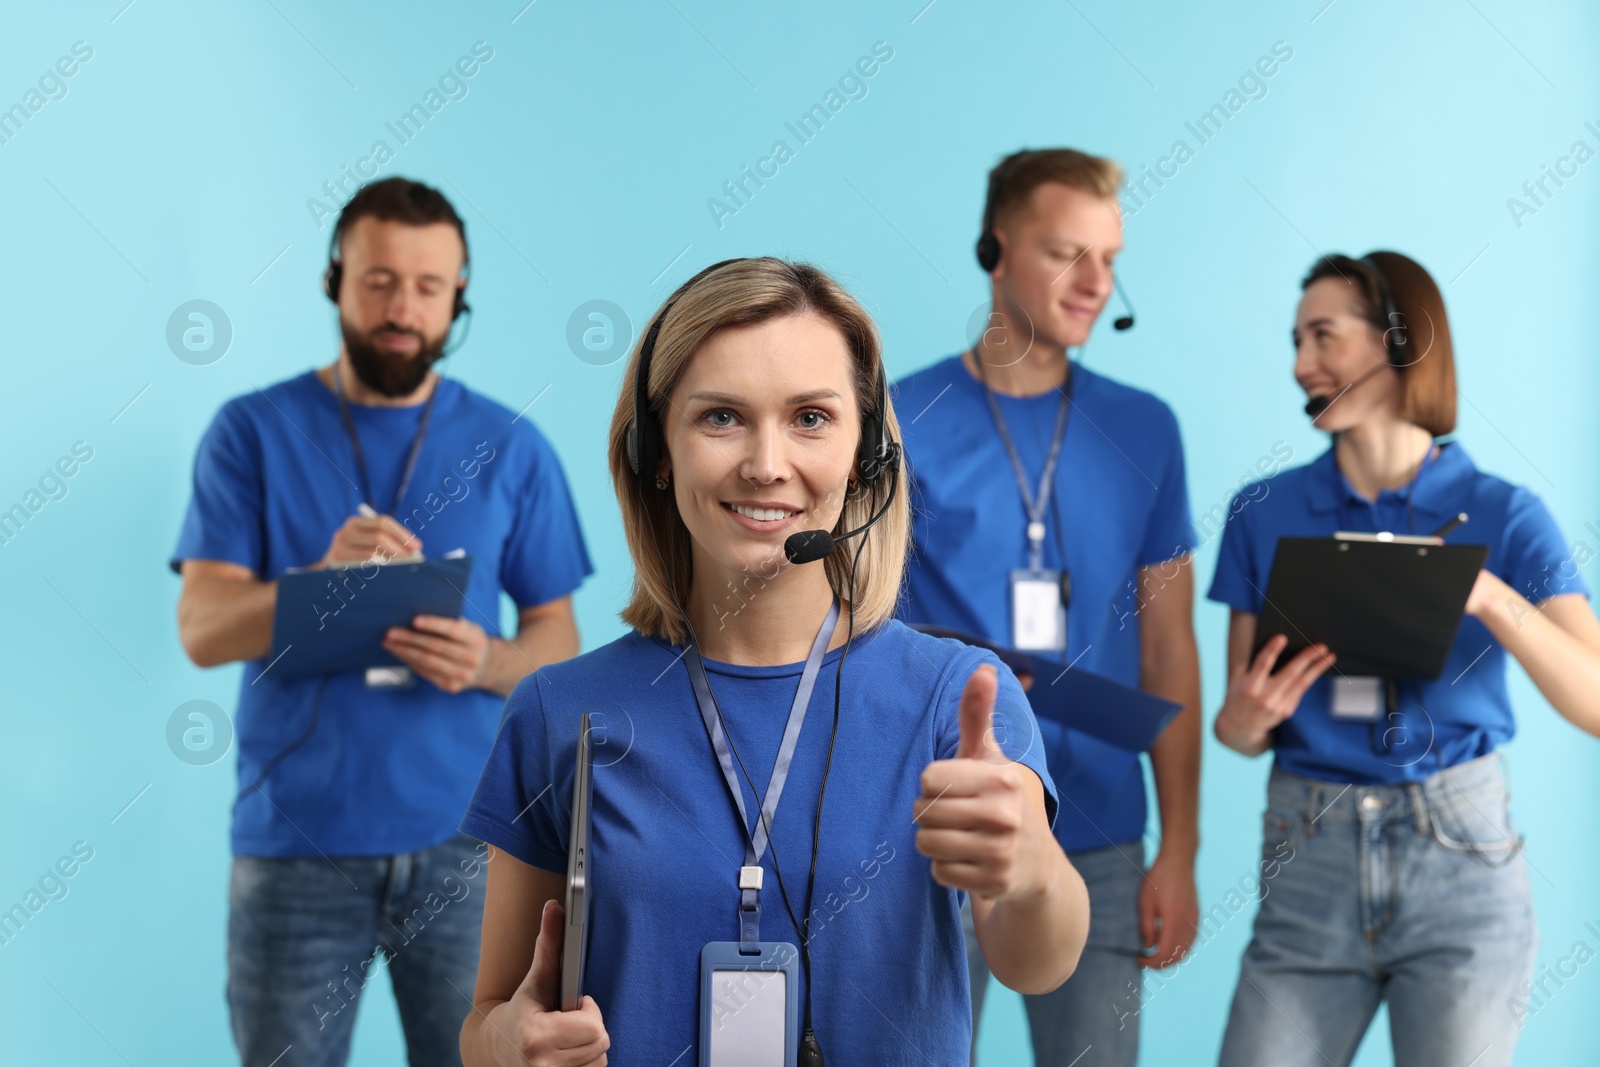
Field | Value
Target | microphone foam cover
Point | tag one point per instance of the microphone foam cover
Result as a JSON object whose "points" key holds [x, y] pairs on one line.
{"points": [[808, 546]]}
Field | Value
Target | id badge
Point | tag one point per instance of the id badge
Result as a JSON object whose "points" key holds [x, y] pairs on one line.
{"points": [[390, 678], [749, 1005], [1356, 699], [1038, 621]]}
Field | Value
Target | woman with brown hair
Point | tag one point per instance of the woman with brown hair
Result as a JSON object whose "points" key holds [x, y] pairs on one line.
{"points": [[753, 437], [1396, 873]]}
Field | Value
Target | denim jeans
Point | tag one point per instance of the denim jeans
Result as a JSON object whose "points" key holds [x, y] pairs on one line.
{"points": [[1080, 1023], [1414, 895], [306, 934]]}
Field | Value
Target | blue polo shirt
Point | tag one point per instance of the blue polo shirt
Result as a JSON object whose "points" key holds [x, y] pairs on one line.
{"points": [[1120, 503], [384, 771], [1465, 712], [890, 974]]}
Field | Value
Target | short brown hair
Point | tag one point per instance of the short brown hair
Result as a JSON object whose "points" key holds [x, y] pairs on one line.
{"points": [[1427, 364], [1016, 176], [398, 200], [742, 293]]}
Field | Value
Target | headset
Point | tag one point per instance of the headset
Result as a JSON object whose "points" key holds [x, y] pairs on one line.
{"points": [[988, 246], [875, 455], [1395, 335], [333, 277]]}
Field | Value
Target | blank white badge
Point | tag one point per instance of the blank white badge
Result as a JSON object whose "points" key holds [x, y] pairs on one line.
{"points": [[747, 1018], [1036, 615], [1357, 698]]}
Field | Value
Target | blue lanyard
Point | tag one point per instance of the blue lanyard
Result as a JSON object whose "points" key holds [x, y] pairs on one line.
{"points": [[1343, 490], [361, 460], [1035, 503], [756, 840]]}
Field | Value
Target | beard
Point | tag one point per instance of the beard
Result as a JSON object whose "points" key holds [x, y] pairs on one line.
{"points": [[393, 374]]}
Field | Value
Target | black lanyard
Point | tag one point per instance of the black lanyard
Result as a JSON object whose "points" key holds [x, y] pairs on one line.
{"points": [[1036, 504], [756, 840], [361, 459]]}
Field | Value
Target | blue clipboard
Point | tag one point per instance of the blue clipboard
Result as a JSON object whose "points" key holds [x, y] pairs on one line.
{"points": [[334, 619], [1081, 700]]}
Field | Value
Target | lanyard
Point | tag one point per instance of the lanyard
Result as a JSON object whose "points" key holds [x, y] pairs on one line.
{"points": [[361, 459], [1035, 504], [756, 840], [1411, 491]]}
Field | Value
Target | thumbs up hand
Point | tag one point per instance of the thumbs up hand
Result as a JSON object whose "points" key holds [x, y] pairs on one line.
{"points": [[974, 815], [535, 1031]]}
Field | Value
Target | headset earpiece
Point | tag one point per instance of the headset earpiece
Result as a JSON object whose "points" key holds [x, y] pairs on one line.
{"points": [[988, 247], [988, 250], [876, 453], [331, 279], [1395, 334]]}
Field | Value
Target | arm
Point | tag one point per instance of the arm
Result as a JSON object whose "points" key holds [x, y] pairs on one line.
{"points": [[224, 612], [1032, 939], [1169, 907], [515, 1006], [546, 633], [1557, 642], [982, 821], [1258, 699]]}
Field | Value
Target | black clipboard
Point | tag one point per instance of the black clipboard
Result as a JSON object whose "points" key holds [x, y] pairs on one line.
{"points": [[1387, 606], [333, 619], [1090, 703]]}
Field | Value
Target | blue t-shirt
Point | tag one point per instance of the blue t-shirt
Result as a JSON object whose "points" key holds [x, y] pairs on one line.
{"points": [[1465, 712], [1119, 502], [890, 974], [384, 771]]}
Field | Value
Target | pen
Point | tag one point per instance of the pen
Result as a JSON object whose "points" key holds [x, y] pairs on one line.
{"points": [[367, 511], [1460, 517]]}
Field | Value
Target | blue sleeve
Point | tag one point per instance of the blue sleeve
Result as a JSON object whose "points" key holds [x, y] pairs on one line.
{"points": [[1238, 575], [1016, 731], [224, 520], [1169, 533], [545, 557], [520, 804], [1537, 562]]}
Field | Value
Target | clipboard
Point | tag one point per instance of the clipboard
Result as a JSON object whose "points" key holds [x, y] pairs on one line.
{"points": [[1090, 703], [1388, 606], [575, 939], [333, 619]]}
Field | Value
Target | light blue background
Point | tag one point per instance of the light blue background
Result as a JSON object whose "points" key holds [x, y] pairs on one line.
{"points": [[178, 167]]}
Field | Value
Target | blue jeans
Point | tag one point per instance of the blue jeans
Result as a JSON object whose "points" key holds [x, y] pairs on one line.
{"points": [[1080, 1022], [306, 934], [1416, 895]]}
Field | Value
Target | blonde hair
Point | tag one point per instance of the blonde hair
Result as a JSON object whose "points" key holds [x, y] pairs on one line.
{"points": [[745, 292]]}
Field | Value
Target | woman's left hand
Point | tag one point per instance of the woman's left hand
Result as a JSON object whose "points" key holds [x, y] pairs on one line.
{"points": [[976, 817]]}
